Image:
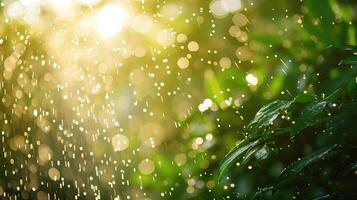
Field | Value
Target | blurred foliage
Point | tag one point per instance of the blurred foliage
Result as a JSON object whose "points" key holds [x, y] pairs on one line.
{"points": [[290, 123]]}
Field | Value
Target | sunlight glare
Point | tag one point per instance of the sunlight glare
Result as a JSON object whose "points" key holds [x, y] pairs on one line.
{"points": [[220, 8], [110, 20], [88, 2], [251, 79], [59, 6]]}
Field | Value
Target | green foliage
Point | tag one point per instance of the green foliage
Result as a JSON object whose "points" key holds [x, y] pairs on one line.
{"points": [[350, 60], [269, 113], [307, 117], [300, 144], [305, 111], [295, 168]]}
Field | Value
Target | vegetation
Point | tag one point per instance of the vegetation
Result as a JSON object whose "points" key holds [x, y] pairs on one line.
{"points": [[178, 99]]}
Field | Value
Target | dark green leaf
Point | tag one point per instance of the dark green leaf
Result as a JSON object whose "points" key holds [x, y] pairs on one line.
{"points": [[344, 47], [290, 175], [320, 9], [246, 149], [326, 196], [288, 181], [308, 117], [351, 88], [298, 166], [347, 171], [305, 98], [261, 192], [267, 114], [334, 96], [236, 153], [349, 60]]}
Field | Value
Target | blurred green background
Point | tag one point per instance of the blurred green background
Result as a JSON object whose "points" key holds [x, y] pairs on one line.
{"points": [[145, 104]]}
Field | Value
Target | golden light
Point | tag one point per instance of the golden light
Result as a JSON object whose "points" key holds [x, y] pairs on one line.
{"points": [[146, 167], [207, 103], [110, 20], [88, 2], [180, 159], [183, 62], [24, 10], [220, 8], [166, 37], [44, 153], [181, 38], [251, 79], [142, 23], [225, 62], [120, 142], [193, 46], [59, 7], [60, 4], [54, 174], [170, 11]]}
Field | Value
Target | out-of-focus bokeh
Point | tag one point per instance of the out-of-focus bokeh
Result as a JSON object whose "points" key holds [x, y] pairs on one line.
{"points": [[141, 99]]}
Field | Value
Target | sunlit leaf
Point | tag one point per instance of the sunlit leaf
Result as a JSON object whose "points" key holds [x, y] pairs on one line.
{"points": [[267, 114], [236, 153]]}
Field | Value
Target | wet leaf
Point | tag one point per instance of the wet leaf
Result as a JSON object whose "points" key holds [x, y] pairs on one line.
{"points": [[296, 167], [267, 114], [236, 153], [291, 174], [308, 117]]}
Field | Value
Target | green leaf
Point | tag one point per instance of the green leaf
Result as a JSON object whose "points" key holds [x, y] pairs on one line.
{"points": [[249, 154], [352, 60], [305, 98], [348, 170], [267, 114], [236, 153], [276, 85], [351, 87], [326, 196], [245, 149], [262, 153], [344, 47], [334, 95], [291, 174], [308, 117], [261, 192], [298, 166], [320, 9]]}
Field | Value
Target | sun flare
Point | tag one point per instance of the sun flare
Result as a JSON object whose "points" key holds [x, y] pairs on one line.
{"points": [[110, 20]]}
